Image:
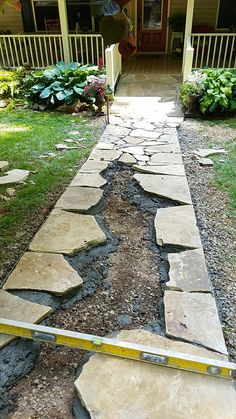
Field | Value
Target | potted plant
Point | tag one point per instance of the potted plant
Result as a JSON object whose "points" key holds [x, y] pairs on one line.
{"points": [[176, 22], [97, 91], [191, 92]]}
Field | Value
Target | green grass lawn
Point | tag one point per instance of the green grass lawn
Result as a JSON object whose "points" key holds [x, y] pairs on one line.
{"points": [[225, 167], [25, 136]]}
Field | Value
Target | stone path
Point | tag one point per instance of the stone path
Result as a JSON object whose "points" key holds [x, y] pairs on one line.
{"points": [[142, 134]]}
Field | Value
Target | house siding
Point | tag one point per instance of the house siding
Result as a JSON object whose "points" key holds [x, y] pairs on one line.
{"points": [[11, 20], [205, 12]]}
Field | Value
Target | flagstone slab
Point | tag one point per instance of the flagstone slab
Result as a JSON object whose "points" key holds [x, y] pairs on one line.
{"points": [[194, 318], [205, 152], [172, 169], [171, 187], [166, 158], [170, 138], [142, 133], [67, 233], [127, 159], [102, 145], [43, 272], [166, 148], [14, 176], [144, 391], [188, 272], [133, 150], [3, 164], [15, 308], [117, 131], [106, 155], [89, 180], [79, 199], [147, 126], [176, 226], [94, 166]]}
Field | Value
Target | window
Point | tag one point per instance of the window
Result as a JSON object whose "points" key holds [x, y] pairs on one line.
{"points": [[152, 14], [227, 14]]}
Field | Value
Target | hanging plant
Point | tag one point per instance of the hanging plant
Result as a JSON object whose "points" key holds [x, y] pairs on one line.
{"points": [[14, 3], [114, 28], [127, 48], [121, 3]]}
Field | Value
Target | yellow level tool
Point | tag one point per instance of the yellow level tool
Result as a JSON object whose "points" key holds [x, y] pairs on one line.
{"points": [[142, 353]]}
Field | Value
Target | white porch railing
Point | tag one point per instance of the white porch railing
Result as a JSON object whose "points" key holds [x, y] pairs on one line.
{"points": [[214, 50], [113, 64], [43, 50], [37, 50], [188, 59], [87, 49]]}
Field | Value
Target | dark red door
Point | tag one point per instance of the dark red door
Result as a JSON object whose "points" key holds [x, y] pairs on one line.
{"points": [[152, 25]]}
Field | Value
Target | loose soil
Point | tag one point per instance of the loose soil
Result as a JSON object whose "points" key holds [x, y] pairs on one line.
{"points": [[216, 227], [130, 296]]}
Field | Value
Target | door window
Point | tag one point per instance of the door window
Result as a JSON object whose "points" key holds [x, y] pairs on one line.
{"points": [[152, 14]]}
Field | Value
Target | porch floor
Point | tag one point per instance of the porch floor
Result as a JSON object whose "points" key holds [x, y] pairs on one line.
{"points": [[152, 64]]}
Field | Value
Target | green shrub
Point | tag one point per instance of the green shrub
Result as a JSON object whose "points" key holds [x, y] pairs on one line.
{"points": [[11, 82], [60, 83], [215, 88]]}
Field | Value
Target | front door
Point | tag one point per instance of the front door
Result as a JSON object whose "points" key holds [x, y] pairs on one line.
{"points": [[152, 25]]}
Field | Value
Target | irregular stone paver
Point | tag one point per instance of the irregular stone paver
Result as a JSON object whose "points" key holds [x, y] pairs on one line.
{"points": [[188, 272], [15, 308], [67, 233], [172, 187], [147, 126], [205, 162], [115, 120], [128, 159], [194, 318], [79, 199], [205, 152], [177, 226], [94, 166], [102, 145], [3, 164], [144, 391], [141, 133], [172, 169], [166, 158], [132, 140], [170, 139], [89, 180], [117, 131], [133, 150], [167, 148], [14, 176], [43, 272], [107, 155], [141, 158]]}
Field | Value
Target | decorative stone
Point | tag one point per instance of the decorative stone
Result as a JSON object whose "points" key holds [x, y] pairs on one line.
{"points": [[205, 152], [145, 391], [102, 145], [10, 191], [127, 159], [147, 126], [3, 164], [165, 159], [172, 169], [167, 148], [89, 180], [117, 131], [176, 226], [194, 318], [67, 233], [106, 155], [43, 272], [79, 199], [141, 133], [15, 308], [172, 187], [14, 176], [94, 166], [188, 272], [205, 162]]}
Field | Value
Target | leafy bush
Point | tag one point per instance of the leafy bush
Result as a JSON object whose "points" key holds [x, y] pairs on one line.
{"points": [[60, 83], [11, 82], [216, 89]]}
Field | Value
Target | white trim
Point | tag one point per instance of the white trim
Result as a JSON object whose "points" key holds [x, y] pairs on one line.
{"points": [[217, 14], [168, 27], [34, 16]]}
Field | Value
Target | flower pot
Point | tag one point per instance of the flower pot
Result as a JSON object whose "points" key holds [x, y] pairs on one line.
{"points": [[100, 102], [193, 103]]}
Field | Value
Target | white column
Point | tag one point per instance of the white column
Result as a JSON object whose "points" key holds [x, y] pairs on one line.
{"points": [[64, 29], [188, 27]]}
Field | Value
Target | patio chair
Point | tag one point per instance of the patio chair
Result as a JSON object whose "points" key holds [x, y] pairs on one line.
{"points": [[52, 25]]}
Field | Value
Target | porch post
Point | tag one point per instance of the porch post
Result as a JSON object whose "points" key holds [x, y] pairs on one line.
{"points": [[188, 28], [64, 29]]}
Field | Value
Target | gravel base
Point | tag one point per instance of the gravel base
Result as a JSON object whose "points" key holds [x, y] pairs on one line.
{"points": [[217, 229]]}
